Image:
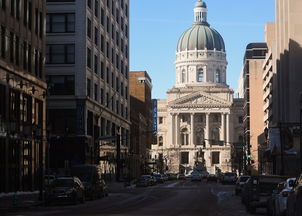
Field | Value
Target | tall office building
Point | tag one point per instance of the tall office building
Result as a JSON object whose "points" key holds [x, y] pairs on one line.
{"points": [[87, 65], [141, 121], [253, 107], [22, 95]]}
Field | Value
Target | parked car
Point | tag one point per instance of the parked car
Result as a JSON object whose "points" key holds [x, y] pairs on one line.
{"points": [[159, 178], [66, 189], [181, 176], [204, 174], [165, 177], [90, 175], [143, 181], [294, 201], [48, 179], [241, 181], [196, 176], [258, 190], [172, 176], [212, 178], [229, 178]]}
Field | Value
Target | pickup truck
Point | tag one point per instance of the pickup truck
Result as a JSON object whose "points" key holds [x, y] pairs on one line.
{"points": [[258, 190]]}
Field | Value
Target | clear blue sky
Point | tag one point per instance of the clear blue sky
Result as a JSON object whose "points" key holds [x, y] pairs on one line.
{"points": [[156, 26]]}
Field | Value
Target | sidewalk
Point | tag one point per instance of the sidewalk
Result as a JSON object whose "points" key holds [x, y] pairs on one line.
{"points": [[19, 200]]}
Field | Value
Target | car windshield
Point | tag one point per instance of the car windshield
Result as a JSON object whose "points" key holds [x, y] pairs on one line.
{"points": [[267, 187], [230, 174], [244, 178], [63, 183]]}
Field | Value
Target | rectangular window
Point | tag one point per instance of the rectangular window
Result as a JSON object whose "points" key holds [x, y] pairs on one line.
{"points": [[102, 96], [36, 21], [184, 157], [17, 51], [3, 42], [29, 57], [102, 17], [160, 120], [96, 90], [36, 63], [96, 64], [29, 15], [102, 69], [112, 80], [41, 25], [117, 84], [107, 75], [24, 55], [108, 25], [12, 8], [107, 50], [88, 87], [240, 119], [61, 85], [11, 46], [88, 27], [60, 23], [102, 43], [3, 4], [215, 158], [25, 12], [89, 3], [60, 54], [18, 9], [96, 8], [88, 57], [96, 36]]}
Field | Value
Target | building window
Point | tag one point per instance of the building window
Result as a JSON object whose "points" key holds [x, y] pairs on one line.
{"points": [[184, 157], [160, 120], [215, 136], [60, 54], [3, 42], [240, 119], [215, 158], [11, 46], [199, 118], [88, 27], [96, 8], [3, 4], [160, 141], [240, 138], [102, 96], [200, 75], [88, 87], [89, 3], [60, 23], [184, 118], [102, 69], [216, 118], [61, 85], [96, 36], [96, 64], [199, 136], [96, 90], [88, 58], [217, 76], [184, 136], [183, 76]]}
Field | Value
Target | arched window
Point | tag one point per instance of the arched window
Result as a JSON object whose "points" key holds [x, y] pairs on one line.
{"points": [[160, 141], [183, 76], [184, 136], [200, 75], [217, 76], [199, 136]]}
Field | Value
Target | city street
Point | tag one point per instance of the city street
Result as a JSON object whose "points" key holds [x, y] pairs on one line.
{"points": [[171, 198]]}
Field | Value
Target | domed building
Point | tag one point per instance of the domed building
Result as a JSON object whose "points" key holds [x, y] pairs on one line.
{"points": [[199, 121]]}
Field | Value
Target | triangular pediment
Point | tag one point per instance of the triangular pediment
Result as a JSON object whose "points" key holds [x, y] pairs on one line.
{"points": [[199, 99]]}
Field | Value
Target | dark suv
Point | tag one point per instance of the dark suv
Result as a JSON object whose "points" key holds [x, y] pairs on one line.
{"points": [[257, 191], [294, 201]]}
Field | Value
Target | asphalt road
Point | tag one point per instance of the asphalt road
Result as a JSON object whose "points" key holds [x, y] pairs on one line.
{"points": [[174, 198]]}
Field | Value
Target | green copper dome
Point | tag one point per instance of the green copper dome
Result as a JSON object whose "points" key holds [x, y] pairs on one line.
{"points": [[201, 3], [200, 37]]}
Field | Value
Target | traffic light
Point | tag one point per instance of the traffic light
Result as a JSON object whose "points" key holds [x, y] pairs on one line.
{"points": [[249, 156]]}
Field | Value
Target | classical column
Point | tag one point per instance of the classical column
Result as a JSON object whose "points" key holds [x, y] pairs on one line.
{"points": [[222, 128], [170, 129], [207, 132], [177, 132], [173, 129], [192, 129], [227, 129]]}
